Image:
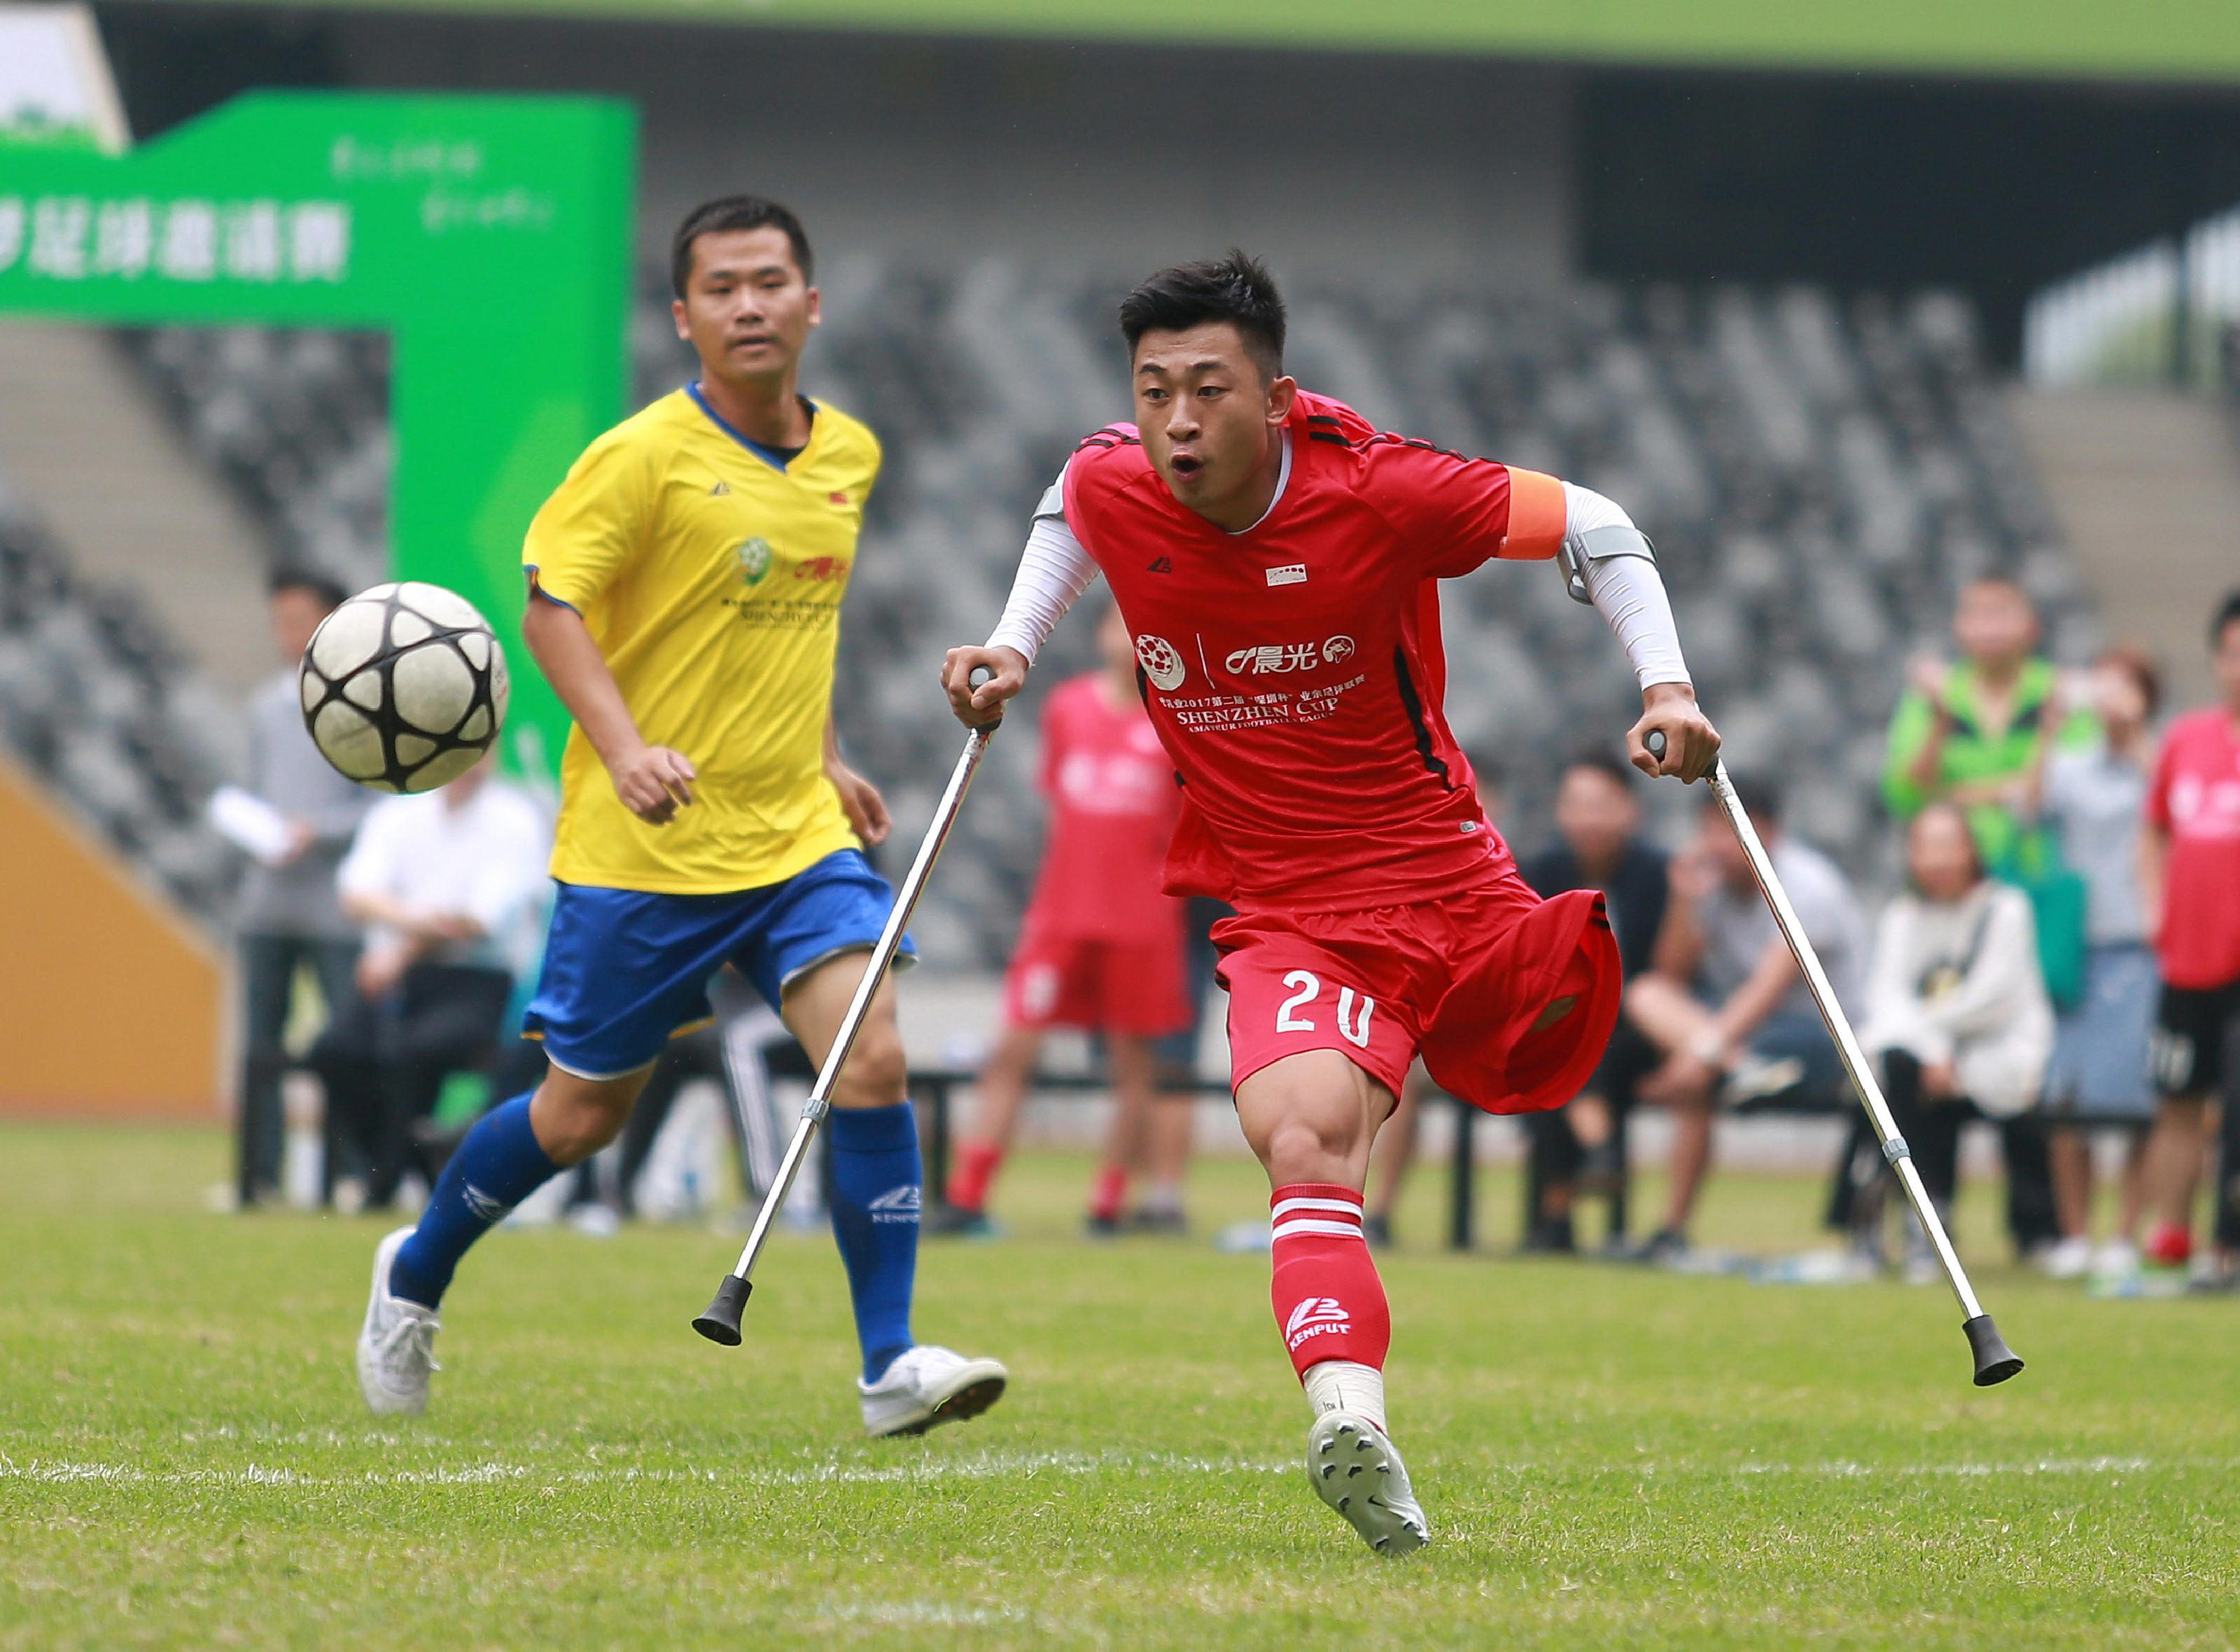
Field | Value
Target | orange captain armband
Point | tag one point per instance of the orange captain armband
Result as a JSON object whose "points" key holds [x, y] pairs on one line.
{"points": [[1536, 517]]}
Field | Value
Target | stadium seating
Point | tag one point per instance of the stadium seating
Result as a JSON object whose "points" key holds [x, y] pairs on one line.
{"points": [[1818, 474], [95, 699]]}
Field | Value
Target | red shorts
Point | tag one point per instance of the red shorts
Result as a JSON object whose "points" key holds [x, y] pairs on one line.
{"points": [[1462, 980], [1136, 987]]}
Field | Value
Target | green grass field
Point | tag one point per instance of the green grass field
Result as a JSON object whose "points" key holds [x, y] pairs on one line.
{"points": [[1608, 1457]]}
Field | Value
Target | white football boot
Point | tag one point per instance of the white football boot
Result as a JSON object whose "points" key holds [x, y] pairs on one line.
{"points": [[397, 1350], [928, 1386], [1356, 1471]]}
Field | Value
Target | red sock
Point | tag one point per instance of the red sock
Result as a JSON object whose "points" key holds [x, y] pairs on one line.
{"points": [[1329, 1303], [1108, 1193], [2171, 1245], [976, 1164]]}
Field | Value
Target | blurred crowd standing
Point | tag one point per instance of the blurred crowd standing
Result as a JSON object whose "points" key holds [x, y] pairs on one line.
{"points": [[2062, 961], [414, 920]]}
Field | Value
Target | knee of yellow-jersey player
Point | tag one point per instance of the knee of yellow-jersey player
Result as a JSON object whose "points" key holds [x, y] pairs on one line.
{"points": [[877, 1074]]}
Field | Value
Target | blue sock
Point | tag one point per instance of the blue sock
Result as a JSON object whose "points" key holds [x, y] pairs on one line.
{"points": [[496, 1168], [875, 1210]]}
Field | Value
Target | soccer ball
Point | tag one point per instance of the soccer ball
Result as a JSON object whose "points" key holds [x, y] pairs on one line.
{"points": [[403, 687]]}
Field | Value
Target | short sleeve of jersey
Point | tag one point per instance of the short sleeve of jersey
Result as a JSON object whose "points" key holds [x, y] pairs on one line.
{"points": [[592, 522], [1457, 513]]}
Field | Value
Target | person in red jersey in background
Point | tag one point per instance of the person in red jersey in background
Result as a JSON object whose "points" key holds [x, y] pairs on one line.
{"points": [[1101, 948], [1274, 554], [2190, 866]]}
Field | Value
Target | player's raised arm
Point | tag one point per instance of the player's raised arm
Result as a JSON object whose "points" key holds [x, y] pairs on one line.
{"points": [[1608, 561], [1053, 570]]}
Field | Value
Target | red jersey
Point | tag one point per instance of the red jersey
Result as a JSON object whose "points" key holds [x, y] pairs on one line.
{"points": [[1294, 672], [1112, 809], [2194, 797]]}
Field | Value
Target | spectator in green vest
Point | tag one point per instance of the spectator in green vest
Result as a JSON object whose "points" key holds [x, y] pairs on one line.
{"points": [[1971, 731]]}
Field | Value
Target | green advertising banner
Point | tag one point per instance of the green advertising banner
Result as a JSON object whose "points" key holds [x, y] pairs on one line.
{"points": [[489, 238]]}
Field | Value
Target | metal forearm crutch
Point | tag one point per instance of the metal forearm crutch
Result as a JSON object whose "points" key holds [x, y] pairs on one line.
{"points": [[1994, 1360], [720, 1322]]}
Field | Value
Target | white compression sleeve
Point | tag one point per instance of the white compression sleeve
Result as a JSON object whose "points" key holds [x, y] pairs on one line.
{"points": [[1053, 570], [1628, 592]]}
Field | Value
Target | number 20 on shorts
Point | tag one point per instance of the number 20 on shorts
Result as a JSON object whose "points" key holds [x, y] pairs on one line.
{"points": [[1306, 987]]}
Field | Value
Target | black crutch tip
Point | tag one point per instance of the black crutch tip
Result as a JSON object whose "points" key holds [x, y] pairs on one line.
{"points": [[719, 1321], [1994, 1360]]}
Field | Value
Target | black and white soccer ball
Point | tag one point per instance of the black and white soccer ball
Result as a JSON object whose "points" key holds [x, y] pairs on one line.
{"points": [[403, 687]]}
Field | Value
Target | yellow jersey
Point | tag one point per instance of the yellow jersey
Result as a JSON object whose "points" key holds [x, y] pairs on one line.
{"points": [[709, 572]]}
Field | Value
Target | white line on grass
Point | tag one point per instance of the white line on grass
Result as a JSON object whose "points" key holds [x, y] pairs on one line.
{"points": [[1017, 1465]]}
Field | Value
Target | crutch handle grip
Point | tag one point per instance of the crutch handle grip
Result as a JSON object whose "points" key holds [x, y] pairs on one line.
{"points": [[979, 677]]}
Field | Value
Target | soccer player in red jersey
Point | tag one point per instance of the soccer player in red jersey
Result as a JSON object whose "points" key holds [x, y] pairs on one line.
{"points": [[1101, 948], [2191, 866], [1274, 557]]}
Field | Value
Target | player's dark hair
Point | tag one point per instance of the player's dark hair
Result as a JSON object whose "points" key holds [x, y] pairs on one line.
{"points": [[729, 213], [1760, 797], [2228, 613], [322, 588], [1236, 288], [1601, 760]]}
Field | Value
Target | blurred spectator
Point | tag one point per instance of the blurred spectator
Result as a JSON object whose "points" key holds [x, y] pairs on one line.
{"points": [[452, 884], [1723, 1004], [1100, 948], [1971, 732], [1957, 1009], [1598, 820], [2190, 862], [289, 919], [2093, 798]]}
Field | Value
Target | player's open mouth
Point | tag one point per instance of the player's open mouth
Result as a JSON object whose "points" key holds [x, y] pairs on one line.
{"points": [[1188, 466]]}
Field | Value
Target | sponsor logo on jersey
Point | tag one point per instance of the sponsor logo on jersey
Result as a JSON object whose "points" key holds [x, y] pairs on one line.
{"points": [[1162, 661], [719, 490], [836, 498], [822, 569], [897, 1204], [1276, 659], [1316, 1317], [1289, 574], [1160, 565], [754, 556]]}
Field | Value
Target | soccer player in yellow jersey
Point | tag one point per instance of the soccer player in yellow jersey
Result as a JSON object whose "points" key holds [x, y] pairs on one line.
{"points": [[685, 582]]}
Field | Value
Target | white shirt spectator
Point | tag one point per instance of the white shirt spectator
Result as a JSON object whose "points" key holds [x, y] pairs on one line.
{"points": [[483, 857], [1957, 984], [1738, 928]]}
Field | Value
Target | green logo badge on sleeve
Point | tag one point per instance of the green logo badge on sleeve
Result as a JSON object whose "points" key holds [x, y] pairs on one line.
{"points": [[755, 558]]}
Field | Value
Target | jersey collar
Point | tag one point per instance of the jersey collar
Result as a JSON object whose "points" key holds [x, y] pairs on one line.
{"points": [[1283, 482], [770, 456]]}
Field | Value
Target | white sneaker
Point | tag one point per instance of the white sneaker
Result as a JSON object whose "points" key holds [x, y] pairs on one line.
{"points": [[927, 1386], [1356, 1471], [2070, 1259], [397, 1350], [2116, 1259]]}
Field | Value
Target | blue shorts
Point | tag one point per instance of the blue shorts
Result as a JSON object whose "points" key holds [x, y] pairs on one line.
{"points": [[626, 970]]}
